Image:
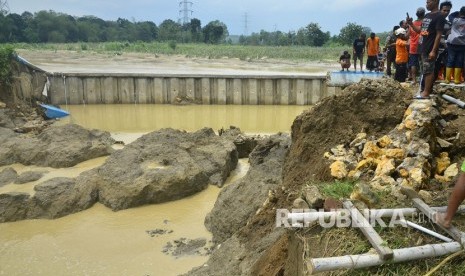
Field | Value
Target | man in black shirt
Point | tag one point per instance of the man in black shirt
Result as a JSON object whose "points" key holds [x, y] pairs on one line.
{"points": [[359, 50], [430, 31]]}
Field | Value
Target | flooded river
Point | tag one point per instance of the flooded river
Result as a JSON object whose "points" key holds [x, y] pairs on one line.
{"points": [[99, 241]]}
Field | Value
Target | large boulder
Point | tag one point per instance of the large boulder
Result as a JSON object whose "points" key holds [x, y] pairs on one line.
{"points": [[57, 146], [238, 201], [165, 165], [53, 198]]}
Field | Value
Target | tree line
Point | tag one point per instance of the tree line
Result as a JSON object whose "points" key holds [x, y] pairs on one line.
{"points": [[53, 27]]}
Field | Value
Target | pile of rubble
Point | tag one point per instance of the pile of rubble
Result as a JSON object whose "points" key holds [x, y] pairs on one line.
{"points": [[409, 155]]}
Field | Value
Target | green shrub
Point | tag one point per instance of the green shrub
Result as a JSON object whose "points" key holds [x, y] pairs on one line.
{"points": [[172, 44], [7, 53]]}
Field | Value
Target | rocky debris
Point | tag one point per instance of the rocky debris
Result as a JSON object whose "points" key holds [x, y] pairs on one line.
{"points": [[403, 157], [369, 107], [187, 247], [56, 146], [165, 165], [158, 232], [29, 176], [244, 143], [7, 175], [240, 200]]}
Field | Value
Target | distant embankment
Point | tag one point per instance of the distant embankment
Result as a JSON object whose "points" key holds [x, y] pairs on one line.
{"points": [[92, 88]]}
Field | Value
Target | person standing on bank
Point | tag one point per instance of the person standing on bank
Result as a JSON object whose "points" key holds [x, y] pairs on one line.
{"points": [[414, 56], [359, 51], [401, 55], [372, 52], [391, 50], [456, 48], [430, 31]]}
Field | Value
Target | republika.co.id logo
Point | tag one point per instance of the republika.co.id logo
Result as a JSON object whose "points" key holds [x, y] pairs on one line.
{"points": [[341, 218]]}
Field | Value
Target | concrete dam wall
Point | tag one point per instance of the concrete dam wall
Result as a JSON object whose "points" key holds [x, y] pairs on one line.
{"points": [[82, 88]]}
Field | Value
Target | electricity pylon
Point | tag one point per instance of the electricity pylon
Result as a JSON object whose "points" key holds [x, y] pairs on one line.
{"points": [[4, 8], [186, 8]]}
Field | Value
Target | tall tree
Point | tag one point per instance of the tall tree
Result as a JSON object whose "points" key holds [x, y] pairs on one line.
{"points": [[350, 32], [215, 32], [316, 37], [169, 30]]}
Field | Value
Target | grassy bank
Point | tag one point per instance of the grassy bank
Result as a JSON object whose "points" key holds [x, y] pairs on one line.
{"points": [[296, 53]]}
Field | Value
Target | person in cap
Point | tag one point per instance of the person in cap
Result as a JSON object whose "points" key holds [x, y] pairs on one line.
{"points": [[401, 55], [344, 60], [414, 56]]}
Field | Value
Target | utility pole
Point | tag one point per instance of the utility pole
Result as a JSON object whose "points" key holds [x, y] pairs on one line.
{"points": [[185, 8], [246, 24], [4, 8]]}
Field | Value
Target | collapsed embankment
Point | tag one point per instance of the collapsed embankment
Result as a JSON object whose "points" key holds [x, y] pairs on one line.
{"points": [[385, 120]]}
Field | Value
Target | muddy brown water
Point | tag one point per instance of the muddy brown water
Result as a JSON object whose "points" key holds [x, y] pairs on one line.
{"points": [[99, 241]]}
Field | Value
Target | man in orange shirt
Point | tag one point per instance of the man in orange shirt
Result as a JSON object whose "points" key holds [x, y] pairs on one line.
{"points": [[372, 52]]}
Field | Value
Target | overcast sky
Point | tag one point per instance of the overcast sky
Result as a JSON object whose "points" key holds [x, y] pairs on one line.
{"points": [[269, 15]]}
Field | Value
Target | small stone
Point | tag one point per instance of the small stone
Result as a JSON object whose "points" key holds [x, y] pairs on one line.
{"points": [[363, 193], [331, 204], [384, 141], [443, 161], [386, 166], [426, 196], [299, 203], [313, 197]]}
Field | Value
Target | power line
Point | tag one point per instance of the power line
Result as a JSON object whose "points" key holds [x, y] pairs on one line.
{"points": [[4, 8], [185, 8]]}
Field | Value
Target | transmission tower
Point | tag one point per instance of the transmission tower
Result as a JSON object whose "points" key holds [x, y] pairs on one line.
{"points": [[185, 8], [4, 8], [246, 24]]}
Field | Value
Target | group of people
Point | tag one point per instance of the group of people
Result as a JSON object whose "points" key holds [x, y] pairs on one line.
{"points": [[371, 45], [433, 44], [430, 42]]}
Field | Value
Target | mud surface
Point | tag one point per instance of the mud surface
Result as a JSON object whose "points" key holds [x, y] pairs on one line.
{"points": [[139, 63]]}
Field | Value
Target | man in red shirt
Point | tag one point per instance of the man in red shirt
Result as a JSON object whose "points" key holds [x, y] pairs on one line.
{"points": [[372, 52], [414, 55]]}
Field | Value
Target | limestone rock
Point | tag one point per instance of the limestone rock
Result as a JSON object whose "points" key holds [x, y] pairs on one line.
{"points": [[371, 150], [384, 141], [449, 174], [313, 197], [442, 162], [426, 196], [363, 193], [338, 170], [386, 166]]}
